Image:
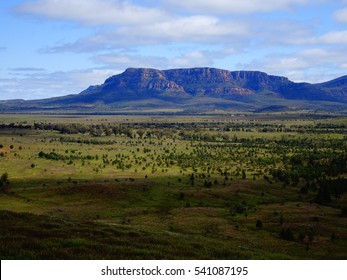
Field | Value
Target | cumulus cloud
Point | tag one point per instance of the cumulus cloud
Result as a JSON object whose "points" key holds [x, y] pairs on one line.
{"points": [[93, 12], [341, 15], [334, 37], [96, 76], [35, 86], [131, 24], [122, 60], [27, 69], [191, 29], [307, 65], [236, 6], [123, 23], [44, 84], [191, 58], [330, 38]]}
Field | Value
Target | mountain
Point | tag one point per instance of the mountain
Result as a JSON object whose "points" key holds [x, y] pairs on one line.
{"points": [[195, 89]]}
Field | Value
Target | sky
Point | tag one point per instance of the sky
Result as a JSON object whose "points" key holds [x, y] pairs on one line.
{"points": [[58, 47]]}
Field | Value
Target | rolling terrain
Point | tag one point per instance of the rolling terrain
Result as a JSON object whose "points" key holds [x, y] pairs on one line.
{"points": [[262, 186]]}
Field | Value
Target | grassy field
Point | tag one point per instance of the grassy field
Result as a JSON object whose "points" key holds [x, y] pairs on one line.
{"points": [[180, 187]]}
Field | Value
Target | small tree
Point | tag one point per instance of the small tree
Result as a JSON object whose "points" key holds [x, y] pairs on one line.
{"points": [[344, 211], [4, 181], [243, 174], [259, 224], [323, 196], [287, 234]]}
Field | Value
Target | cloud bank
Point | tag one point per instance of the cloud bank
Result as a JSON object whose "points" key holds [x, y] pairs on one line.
{"points": [[300, 39]]}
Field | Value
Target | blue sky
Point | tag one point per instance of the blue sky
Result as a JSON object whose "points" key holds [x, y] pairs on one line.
{"points": [[58, 47]]}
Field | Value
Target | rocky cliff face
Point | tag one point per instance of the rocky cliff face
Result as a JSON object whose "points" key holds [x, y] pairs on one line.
{"points": [[199, 76], [147, 79], [207, 81], [179, 83], [259, 81]]}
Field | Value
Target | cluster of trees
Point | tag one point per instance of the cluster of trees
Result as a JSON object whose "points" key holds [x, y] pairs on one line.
{"points": [[254, 126], [319, 128], [89, 141], [311, 167], [329, 188], [15, 126], [57, 156], [226, 124]]}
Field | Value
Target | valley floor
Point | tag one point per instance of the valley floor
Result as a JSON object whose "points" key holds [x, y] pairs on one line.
{"points": [[151, 187]]}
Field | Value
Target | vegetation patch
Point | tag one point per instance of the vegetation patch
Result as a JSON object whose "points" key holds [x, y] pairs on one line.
{"points": [[194, 187]]}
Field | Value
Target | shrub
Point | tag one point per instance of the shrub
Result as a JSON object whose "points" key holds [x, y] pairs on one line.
{"points": [[259, 224], [344, 211], [4, 181], [287, 234]]}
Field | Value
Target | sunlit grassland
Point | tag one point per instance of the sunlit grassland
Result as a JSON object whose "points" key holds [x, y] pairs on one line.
{"points": [[177, 187]]}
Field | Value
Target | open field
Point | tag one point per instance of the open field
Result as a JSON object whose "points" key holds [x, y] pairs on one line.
{"points": [[173, 187]]}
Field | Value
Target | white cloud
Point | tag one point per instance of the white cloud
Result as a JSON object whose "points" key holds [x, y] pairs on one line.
{"points": [[27, 69], [135, 25], [308, 65], [93, 12], [341, 15], [124, 23], [329, 38], [319, 57], [288, 64], [125, 60], [237, 6], [85, 78], [192, 59], [334, 37], [35, 86], [187, 57], [192, 28], [43, 84]]}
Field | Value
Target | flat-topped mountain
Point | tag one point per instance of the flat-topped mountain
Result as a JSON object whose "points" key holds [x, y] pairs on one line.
{"points": [[195, 88]]}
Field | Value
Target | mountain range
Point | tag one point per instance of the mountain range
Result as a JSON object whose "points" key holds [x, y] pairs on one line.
{"points": [[194, 90]]}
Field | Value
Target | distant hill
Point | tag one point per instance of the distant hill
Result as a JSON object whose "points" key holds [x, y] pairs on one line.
{"points": [[194, 89]]}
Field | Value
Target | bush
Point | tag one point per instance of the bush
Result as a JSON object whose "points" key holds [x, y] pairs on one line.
{"points": [[344, 211], [287, 234], [4, 181], [259, 224], [323, 196]]}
